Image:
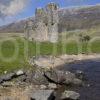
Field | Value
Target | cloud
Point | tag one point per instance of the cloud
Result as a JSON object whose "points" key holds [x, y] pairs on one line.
{"points": [[12, 7]]}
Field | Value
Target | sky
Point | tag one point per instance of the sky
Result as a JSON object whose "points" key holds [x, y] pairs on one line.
{"points": [[15, 10]]}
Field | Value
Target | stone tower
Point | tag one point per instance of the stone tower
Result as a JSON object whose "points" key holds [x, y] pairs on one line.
{"points": [[41, 26], [46, 24], [53, 20]]}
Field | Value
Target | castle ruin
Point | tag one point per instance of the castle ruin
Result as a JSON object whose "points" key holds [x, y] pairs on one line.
{"points": [[45, 27]]}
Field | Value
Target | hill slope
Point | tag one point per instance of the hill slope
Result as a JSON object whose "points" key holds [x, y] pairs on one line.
{"points": [[79, 18], [70, 19]]}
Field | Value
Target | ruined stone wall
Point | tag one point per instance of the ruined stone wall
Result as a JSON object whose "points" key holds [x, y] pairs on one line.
{"points": [[41, 27], [46, 24], [29, 31]]}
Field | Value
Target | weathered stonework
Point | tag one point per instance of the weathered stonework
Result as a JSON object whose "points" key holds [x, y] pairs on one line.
{"points": [[53, 20], [41, 27], [46, 24], [29, 31]]}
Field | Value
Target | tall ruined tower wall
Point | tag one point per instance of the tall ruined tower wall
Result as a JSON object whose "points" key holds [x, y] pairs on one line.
{"points": [[53, 20]]}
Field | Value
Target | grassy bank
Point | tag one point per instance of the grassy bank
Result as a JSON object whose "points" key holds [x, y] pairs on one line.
{"points": [[26, 49]]}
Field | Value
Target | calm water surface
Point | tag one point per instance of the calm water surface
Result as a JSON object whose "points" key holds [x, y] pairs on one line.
{"points": [[92, 72]]}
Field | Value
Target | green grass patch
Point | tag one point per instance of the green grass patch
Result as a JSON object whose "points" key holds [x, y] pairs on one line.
{"points": [[26, 49]]}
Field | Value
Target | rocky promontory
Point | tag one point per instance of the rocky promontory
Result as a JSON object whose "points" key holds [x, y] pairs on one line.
{"points": [[44, 81], [39, 84]]}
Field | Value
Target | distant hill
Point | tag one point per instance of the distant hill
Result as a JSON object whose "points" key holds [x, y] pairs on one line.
{"points": [[79, 18], [70, 19], [14, 27]]}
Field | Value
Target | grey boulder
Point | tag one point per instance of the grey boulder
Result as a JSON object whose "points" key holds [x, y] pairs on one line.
{"points": [[43, 95], [7, 77], [61, 77], [70, 95], [38, 78], [55, 76]]}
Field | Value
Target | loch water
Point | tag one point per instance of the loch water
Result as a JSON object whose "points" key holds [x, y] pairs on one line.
{"points": [[91, 68]]}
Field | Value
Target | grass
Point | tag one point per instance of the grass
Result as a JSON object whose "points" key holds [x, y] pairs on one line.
{"points": [[7, 49]]}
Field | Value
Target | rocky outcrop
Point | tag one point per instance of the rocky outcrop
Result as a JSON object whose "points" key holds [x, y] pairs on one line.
{"points": [[61, 77], [10, 76], [42, 76], [51, 95], [45, 82]]}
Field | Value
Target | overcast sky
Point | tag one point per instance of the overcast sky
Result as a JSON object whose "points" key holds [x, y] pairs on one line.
{"points": [[13, 10]]}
